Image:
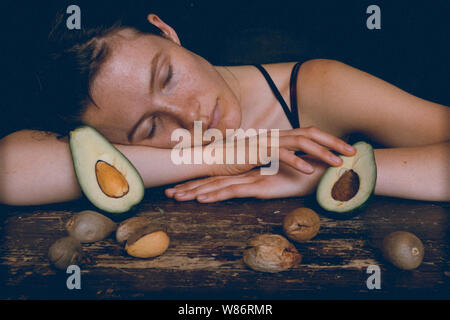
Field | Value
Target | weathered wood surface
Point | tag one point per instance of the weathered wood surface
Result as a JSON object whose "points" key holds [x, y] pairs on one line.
{"points": [[204, 259]]}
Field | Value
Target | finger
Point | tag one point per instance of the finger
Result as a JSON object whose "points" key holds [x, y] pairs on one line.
{"points": [[305, 144], [324, 138], [294, 161], [194, 183], [233, 191], [212, 186]]}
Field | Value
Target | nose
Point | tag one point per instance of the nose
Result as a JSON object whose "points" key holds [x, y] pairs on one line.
{"points": [[187, 111]]}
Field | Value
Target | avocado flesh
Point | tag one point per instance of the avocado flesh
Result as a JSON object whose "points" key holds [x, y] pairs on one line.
{"points": [[348, 187], [90, 149]]}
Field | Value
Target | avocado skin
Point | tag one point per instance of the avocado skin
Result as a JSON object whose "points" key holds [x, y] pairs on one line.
{"points": [[397, 247], [112, 214], [351, 213], [116, 217], [345, 215]]}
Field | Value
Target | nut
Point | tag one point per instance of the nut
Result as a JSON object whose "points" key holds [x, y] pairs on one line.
{"points": [[90, 226], [271, 253], [301, 224], [128, 227], [403, 249], [65, 252], [111, 181], [346, 187], [147, 242]]}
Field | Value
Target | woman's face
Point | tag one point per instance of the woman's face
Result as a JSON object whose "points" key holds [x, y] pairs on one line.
{"points": [[149, 86]]}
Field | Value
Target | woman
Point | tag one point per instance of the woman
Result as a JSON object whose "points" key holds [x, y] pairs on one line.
{"points": [[136, 88]]}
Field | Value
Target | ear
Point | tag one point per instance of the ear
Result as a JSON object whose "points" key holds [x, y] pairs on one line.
{"points": [[169, 33]]}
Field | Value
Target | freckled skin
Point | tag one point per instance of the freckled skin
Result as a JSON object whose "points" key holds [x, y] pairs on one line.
{"points": [[121, 91]]}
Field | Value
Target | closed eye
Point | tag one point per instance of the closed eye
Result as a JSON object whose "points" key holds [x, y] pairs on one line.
{"points": [[152, 130], [169, 77]]}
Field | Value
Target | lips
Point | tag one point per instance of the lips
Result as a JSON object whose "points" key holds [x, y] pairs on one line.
{"points": [[215, 116]]}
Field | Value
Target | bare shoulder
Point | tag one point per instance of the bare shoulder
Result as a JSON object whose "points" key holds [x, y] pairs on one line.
{"points": [[252, 79]]}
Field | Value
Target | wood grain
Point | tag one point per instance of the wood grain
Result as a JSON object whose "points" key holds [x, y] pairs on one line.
{"points": [[204, 259]]}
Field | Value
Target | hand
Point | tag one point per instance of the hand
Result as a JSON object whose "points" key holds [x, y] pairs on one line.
{"points": [[309, 140], [288, 182]]}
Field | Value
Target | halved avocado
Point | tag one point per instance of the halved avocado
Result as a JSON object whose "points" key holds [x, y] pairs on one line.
{"points": [[345, 189], [106, 177]]}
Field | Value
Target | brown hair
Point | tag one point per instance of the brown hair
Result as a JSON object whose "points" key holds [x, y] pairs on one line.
{"points": [[72, 60]]}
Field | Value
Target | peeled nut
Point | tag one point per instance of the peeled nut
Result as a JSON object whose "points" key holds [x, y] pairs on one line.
{"points": [[90, 226], [65, 252], [271, 253], [147, 242], [128, 227], [111, 181], [301, 224]]}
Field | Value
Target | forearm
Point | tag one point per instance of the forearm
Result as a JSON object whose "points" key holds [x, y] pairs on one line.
{"points": [[36, 168], [421, 173]]}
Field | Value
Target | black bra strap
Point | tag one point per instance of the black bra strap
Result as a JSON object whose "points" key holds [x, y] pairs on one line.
{"points": [[275, 91], [293, 94], [291, 115]]}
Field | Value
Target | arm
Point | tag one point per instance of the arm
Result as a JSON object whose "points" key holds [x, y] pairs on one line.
{"points": [[421, 173], [36, 168], [340, 99]]}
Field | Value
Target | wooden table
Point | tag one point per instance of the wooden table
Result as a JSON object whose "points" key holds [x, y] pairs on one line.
{"points": [[204, 260]]}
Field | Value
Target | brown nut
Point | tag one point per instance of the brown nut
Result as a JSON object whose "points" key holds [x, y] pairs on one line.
{"points": [[128, 227], [271, 253], [147, 242], [111, 181], [65, 252], [301, 224], [403, 249], [90, 226]]}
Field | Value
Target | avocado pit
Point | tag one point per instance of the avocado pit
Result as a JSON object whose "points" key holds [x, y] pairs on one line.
{"points": [[346, 187], [110, 180]]}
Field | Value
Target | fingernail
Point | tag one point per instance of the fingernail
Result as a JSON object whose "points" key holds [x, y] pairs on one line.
{"points": [[309, 168], [349, 148], [180, 194], [202, 197], [336, 160]]}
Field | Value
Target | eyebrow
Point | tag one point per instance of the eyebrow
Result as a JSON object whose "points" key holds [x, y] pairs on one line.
{"points": [[153, 64]]}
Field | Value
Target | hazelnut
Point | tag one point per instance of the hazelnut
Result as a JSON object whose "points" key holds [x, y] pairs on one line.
{"points": [[301, 224], [271, 253]]}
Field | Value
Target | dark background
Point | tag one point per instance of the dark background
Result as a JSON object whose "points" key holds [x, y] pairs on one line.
{"points": [[410, 51]]}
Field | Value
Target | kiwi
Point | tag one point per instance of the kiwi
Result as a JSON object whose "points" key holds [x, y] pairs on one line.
{"points": [[65, 252], [90, 226], [403, 249]]}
